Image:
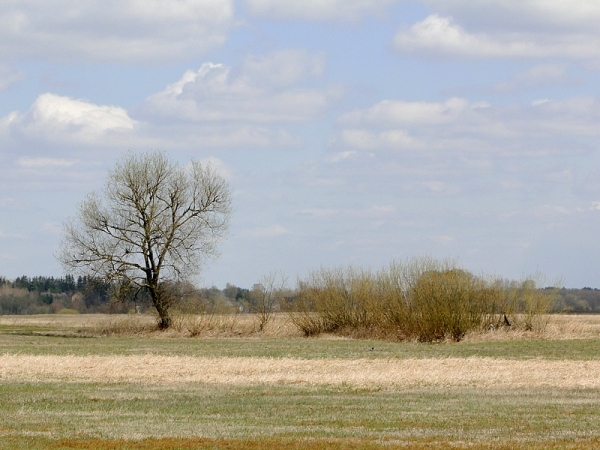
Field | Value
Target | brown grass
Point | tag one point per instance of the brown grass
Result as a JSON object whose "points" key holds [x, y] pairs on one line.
{"points": [[446, 372], [559, 326]]}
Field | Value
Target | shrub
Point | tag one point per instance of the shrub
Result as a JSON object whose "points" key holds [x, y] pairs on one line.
{"points": [[421, 299]]}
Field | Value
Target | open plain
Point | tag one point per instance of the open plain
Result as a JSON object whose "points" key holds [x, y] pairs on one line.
{"points": [[75, 382]]}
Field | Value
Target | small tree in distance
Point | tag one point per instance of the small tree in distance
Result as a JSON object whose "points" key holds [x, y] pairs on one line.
{"points": [[265, 295], [152, 226]]}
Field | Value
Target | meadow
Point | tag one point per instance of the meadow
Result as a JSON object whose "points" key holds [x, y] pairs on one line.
{"points": [[96, 381]]}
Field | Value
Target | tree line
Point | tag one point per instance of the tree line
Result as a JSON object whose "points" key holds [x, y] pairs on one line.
{"points": [[86, 295]]}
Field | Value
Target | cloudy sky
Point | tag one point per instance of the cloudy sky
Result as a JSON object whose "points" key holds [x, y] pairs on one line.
{"points": [[351, 131]]}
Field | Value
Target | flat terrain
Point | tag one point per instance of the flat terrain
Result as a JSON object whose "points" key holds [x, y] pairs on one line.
{"points": [[63, 384]]}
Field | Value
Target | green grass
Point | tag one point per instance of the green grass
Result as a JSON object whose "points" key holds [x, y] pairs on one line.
{"points": [[59, 415], [129, 411], [305, 348]]}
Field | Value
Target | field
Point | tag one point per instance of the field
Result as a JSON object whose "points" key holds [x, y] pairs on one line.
{"points": [[71, 382]]}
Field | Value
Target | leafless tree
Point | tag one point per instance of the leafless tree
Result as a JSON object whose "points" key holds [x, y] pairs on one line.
{"points": [[153, 225], [265, 295]]}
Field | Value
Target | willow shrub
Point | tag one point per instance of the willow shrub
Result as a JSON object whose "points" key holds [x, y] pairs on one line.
{"points": [[420, 299]]}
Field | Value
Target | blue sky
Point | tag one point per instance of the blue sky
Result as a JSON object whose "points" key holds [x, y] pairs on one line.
{"points": [[351, 131]]}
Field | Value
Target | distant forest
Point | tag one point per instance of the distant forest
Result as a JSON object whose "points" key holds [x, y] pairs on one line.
{"points": [[49, 295]]}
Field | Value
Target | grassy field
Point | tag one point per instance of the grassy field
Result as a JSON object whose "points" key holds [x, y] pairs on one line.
{"points": [[67, 383]]}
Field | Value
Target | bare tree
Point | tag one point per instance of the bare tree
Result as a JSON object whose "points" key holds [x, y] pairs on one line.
{"points": [[153, 225], [265, 295]]}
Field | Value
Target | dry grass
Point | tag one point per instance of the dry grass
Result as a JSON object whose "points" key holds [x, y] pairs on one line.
{"points": [[445, 372], [559, 327], [232, 325], [56, 320], [184, 325]]}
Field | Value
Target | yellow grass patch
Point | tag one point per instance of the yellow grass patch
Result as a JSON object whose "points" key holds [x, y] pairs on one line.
{"points": [[585, 326], [480, 372]]}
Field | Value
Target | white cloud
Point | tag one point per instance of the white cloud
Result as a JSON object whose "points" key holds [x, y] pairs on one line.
{"points": [[389, 112], [384, 209], [250, 105], [113, 30], [318, 10], [535, 77], [440, 187], [43, 163], [283, 68], [4, 235], [216, 106], [63, 119], [217, 93], [54, 228], [442, 37], [219, 166], [458, 124], [319, 213], [368, 140], [375, 211], [268, 232], [550, 210], [341, 156], [524, 15], [444, 239]]}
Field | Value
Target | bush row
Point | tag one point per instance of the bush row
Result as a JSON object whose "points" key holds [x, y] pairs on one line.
{"points": [[419, 299]]}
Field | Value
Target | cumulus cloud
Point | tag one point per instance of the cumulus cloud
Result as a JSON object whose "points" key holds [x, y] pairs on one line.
{"points": [[57, 118], [113, 30], [543, 127], [318, 10], [260, 91], [441, 36], [249, 105]]}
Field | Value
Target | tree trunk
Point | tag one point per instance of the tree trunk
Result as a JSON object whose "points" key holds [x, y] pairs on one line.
{"points": [[162, 308], [164, 322]]}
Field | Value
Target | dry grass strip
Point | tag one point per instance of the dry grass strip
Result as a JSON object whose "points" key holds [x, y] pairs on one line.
{"points": [[480, 372], [559, 326]]}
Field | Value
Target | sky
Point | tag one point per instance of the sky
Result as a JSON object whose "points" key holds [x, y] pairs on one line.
{"points": [[351, 132]]}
